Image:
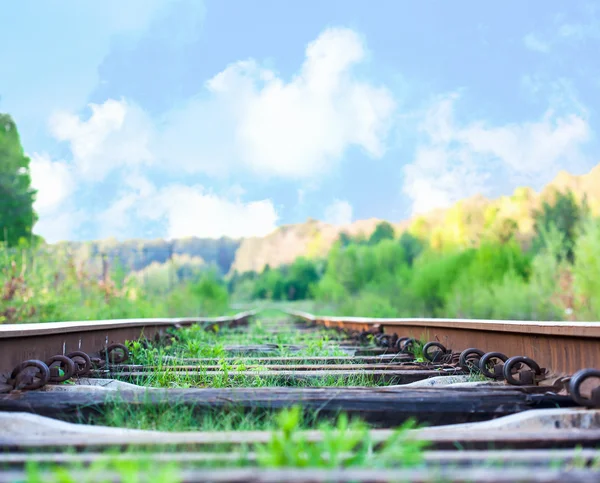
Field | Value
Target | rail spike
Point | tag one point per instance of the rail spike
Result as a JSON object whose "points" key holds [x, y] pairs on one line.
{"points": [[35, 374], [407, 346], [29, 375], [115, 353], [575, 388], [83, 363], [65, 363], [469, 359], [526, 377], [487, 359], [436, 356], [400, 343]]}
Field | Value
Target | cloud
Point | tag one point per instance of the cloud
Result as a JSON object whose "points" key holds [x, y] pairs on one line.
{"points": [[59, 226], [59, 51], [586, 27], [188, 211], [580, 31], [55, 184], [116, 134], [248, 118], [302, 127], [191, 211], [53, 180], [457, 161], [533, 42], [339, 213]]}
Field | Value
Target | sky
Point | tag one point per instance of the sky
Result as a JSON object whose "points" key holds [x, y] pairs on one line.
{"points": [[175, 118]]}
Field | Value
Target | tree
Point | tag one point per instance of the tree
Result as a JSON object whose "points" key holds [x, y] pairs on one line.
{"points": [[211, 293], [344, 239], [564, 214], [383, 231], [412, 246], [17, 216], [302, 274]]}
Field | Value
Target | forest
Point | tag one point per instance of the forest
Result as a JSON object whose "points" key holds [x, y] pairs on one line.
{"points": [[445, 269], [555, 278]]}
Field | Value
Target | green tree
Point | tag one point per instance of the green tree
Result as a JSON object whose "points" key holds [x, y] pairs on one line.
{"points": [[211, 294], [17, 216], [435, 275], [566, 215], [586, 270], [383, 231], [301, 276], [344, 239], [412, 246]]}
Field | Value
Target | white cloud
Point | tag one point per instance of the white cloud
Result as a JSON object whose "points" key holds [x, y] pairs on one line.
{"points": [[59, 226], [580, 31], [188, 211], [458, 161], [251, 118], [53, 180], [248, 118], [439, 177], [116, 134], [566, 32], [339, 213], [531, 147], [302, 127], [191, 211], [55, 183], [61, 49], [533, 42]]}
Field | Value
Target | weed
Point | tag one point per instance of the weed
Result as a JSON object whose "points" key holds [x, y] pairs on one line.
{"points": [[346, 444]]}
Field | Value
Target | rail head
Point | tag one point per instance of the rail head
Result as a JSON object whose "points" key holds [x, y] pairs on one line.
{"points": [[548, 328], [80, 345], [8, 331]]}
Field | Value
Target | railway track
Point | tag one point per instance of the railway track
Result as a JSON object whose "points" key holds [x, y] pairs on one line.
{"points": [[219, 400]]}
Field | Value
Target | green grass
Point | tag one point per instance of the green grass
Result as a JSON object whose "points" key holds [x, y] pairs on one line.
{"points": [[178, 417], [50, 283], [198, 344], [198, 341], [127, 472], [230, 378], [346, 444]]}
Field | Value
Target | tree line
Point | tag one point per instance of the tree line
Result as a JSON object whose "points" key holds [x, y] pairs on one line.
{"points": [[552, 276], [427, 270]]}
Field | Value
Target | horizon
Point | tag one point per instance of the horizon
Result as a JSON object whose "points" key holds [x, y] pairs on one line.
{"points": [[395, 223], [168, 119]]}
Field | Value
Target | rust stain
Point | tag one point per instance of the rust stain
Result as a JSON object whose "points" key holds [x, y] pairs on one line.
{"points": [[21, 342], [561, 347]]}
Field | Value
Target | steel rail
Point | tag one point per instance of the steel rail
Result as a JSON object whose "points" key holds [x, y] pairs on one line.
{"points": [[342, 475], [561, 347], [41, 341]]}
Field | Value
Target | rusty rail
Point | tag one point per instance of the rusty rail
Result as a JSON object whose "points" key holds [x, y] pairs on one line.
{"points": [[518, 352], [51, 342], [562, 347], [485, 415]]}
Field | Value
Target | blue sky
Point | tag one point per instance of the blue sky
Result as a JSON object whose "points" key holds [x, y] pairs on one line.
{"points": [[170, 118]]}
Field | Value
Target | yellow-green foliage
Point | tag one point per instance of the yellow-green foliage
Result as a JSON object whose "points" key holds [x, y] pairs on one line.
{"points": [[454, 276]]}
